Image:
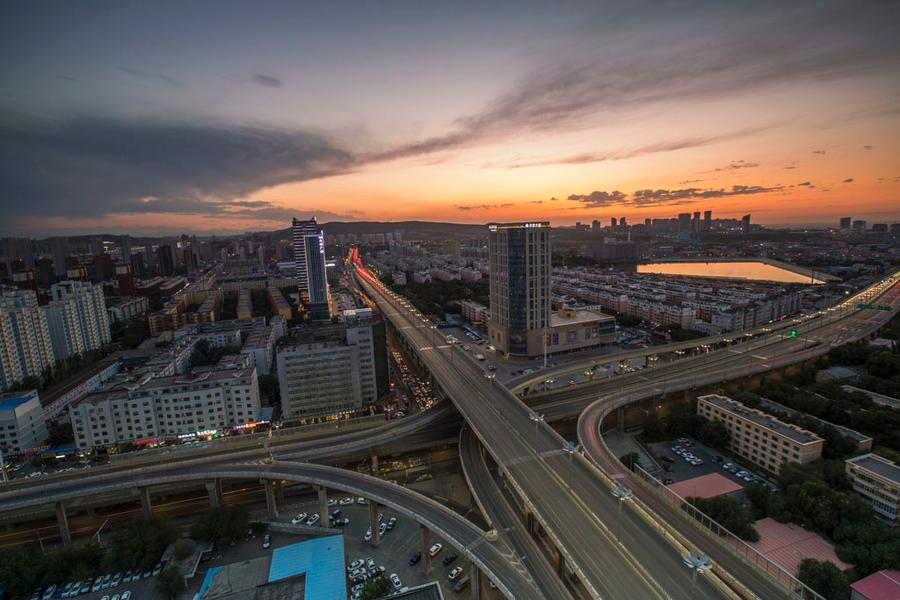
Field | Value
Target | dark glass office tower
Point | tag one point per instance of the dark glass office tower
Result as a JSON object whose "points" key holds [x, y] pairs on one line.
{"points": [[519, 286], [309, 256]]}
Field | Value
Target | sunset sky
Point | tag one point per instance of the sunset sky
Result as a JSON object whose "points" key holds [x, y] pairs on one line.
{"points": [[172, 117]]}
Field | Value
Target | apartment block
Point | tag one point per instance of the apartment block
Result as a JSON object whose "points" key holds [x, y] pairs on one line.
{"points": [[25, 346], [327, 370], [128, 410], [760, 437], [22, 425], [876, 479], [77, 318]]}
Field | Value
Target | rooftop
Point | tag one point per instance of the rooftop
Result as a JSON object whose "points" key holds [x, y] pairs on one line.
{"points": [[763, 419], [705, 486], [579, 316], [13, 400], [788, 545], [883, 585], [878, 465]]}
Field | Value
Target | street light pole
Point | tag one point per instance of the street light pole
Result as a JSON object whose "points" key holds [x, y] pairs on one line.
{"points": [[623, 494]]}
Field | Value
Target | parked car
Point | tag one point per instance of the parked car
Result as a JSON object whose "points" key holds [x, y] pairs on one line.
{"points": [[395, 581], [415, 558], [299, 518], [454, 574], [435, 550], [267, 542], [450, 558]]}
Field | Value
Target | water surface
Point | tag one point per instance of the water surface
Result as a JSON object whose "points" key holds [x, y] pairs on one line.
{"points": [[750, 270]]}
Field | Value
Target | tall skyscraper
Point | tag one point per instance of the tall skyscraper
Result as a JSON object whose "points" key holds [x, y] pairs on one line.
{"points": [[845, 223], [684, 222], [137, 265], [309, 256], [190, 260], [613, 222], [59, 249], [695, 225], [165, 261], [77, 318], [519, 255], [745, 224], [707, 220], [25, 346]]}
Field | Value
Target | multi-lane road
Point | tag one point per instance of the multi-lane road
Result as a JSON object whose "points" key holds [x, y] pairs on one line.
{"points": [[613, 556]]}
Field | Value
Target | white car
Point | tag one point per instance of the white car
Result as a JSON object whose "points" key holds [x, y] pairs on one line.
{"points": [[332, 502], [313, 519], [299, 519], [368, 536], [382, 528], [395, 581], [360, 500], [435, 550], [355, 564], [345, 501], [455, 573]]}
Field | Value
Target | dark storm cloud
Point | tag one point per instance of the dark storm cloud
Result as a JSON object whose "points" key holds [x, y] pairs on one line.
{"points": [[147, 75], [88, 166], [267, 80], [805, 184]]}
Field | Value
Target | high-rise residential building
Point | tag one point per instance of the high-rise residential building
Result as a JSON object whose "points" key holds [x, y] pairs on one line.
{"points": [[877, 479], [695, 224], [613, 222], [103, 267], [745, 224], [77, 318], [125, 280], [859, 225], [43, 272], [25, 346], [165, 260], [137, 265], [707, 220], [845, 223], [595, 225], [684, 222], [17, 249], [309, 257], [328, 369], [59, 250], [190, 260], [22, 425], [519, 258]]}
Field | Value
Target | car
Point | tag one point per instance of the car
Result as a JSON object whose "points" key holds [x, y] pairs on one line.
{"points": [[345, 501], [454, 574], [668, 481], [356, 564], [380, 517], [360, 500], [105, 597], [435, 550], [299, 519], [461, 584], [667, 459], [267, 542], [64, 592], [682, 440], [368, 536], [382, 528], [332, 502], [450, 558], [128, 577], [86, 586], [341, 522], [147, 573], [336, 513], [126, 595], [391, 523], [157, 569], [357, 573], [395, 581], [718, 459], [415, 558], [313, 519], [115, 597]]}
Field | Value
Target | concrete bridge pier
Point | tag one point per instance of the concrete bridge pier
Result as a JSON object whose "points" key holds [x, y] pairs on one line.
{"points": [[214, 489], [279, 492], [425, 536], [146, 504], [374, 457], [373, 522], [63, 521], [620, 419], [323, 506], [271, 500], [475, 583], [529, 523]]}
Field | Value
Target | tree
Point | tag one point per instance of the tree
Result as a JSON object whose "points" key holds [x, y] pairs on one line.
{"points": [[375, 588], [884, 364], [170, 582], [182, 549], [728, 512], [714, 434], [825, 578], [60, 434], [630, 460], [226, 523]]}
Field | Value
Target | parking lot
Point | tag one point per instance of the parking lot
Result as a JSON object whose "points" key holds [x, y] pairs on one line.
{"points": [[678, 468], [145, 587], [397, 545]]}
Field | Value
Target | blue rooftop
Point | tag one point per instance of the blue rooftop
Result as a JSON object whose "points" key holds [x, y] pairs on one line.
{"points": [[322, 559], [12, 400]]}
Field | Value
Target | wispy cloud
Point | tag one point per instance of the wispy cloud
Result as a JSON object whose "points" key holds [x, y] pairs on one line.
{"points": [[818, 151], [661, 197], [151, 76], [267, 80], [848, 180], [466, 207], [735, 165]]}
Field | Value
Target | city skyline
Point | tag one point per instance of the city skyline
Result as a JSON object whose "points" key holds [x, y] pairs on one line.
{"points": [[245, 118]]}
